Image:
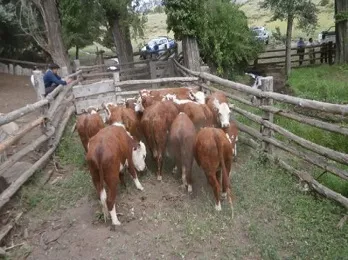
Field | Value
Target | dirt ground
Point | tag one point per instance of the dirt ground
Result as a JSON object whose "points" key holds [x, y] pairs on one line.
{"points": [[15, 92]]}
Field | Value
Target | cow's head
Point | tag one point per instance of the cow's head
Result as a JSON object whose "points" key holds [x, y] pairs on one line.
{"points": [[199, 97], [139, 108], [107, 108], [223, 112], [139, 156], [92, 110]]}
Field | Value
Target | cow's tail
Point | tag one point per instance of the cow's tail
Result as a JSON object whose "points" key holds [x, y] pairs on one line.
{"points": [[225, 179]]}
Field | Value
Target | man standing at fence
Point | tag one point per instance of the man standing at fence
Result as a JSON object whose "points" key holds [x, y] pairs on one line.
{"points": [[311, 51], [301, 50], [52, 80]]}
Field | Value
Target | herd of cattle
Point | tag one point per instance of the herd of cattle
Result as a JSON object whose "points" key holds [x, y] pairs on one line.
{"points": [[182, 123]]}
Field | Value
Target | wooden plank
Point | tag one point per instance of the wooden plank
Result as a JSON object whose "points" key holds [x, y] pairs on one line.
{"points": [[23, 62], [93, 88], [84, 104], [154, 81]]}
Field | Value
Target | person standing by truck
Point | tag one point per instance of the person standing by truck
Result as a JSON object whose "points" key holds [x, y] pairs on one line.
{"points": [[311, 52], [301, 50]]}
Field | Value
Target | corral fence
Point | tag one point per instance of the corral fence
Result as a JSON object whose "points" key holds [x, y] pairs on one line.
{"points": [[313, 55], [18, 67], [277, 142]]}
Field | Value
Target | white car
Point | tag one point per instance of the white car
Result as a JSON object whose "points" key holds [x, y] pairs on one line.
{"points": [[163, 43], [327, 36], [261, 33]]}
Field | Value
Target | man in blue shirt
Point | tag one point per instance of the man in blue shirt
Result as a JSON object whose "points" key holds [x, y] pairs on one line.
{"points": [[52, 80], [301, 50]]}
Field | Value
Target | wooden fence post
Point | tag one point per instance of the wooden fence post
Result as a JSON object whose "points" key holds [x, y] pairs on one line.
{"points": [[267, 85], [116, 76], [65, 72], [330, 52], [40, 92], [77, 68], [10, 69], [39, 84], [153, 72]]}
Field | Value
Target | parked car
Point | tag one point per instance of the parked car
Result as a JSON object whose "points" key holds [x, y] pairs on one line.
{"points": [[112, 65], [327, 36], [157, 46], [261, 33]]}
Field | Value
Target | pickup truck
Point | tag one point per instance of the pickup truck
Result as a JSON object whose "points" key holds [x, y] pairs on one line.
{"points": [[327, 36], [162, 42]]}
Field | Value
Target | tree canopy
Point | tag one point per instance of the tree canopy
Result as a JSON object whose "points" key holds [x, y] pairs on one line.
{"points": [[303, 10], [221, 29], [80, 29]]}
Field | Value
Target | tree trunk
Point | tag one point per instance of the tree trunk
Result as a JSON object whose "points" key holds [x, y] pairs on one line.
{"points": [[191, 53], [341, 9], [55, 46], [288, 46], [77, 53], [121, 33]]}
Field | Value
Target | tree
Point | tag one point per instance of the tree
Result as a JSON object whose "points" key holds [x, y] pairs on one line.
{"points": [[121, 16], [225, 40], [184, 18], [79, 29], [221, 30], [302, 10], [341, 16], [40, 19], [13, 42]]}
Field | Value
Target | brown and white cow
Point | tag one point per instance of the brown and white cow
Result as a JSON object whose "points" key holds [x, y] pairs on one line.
{"points": [[232, 135], [109, 152], [156, 121], [126, 116], [88, 125], [181, 143], [213, 153], [181, 93], [218, 104], [200, 114]]}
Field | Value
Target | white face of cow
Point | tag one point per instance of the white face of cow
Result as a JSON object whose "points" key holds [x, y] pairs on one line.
{"points": [[223, 113], [138, 156], [139, 105], [199, 97]]}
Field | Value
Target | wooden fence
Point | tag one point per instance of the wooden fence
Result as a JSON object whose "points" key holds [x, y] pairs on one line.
{"points": [[18, 67], [276, 57], [270, 137], [125, 83]]}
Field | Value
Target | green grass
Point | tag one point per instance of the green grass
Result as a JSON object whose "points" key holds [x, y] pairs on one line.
{"points": [[278, 220], [323, 83]]}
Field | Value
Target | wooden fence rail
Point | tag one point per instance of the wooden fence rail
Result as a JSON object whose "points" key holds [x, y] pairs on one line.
{"points": [[327, 55], [315, 154]]}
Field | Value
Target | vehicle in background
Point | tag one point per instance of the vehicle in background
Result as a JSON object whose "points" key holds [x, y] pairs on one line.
{"points": [[157, 46], [261, 33], [112, 65], [327, 36]]}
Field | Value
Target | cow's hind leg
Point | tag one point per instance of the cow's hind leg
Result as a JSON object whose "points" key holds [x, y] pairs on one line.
{"points": [[99, 188], [111, 181], [216, 188]]}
